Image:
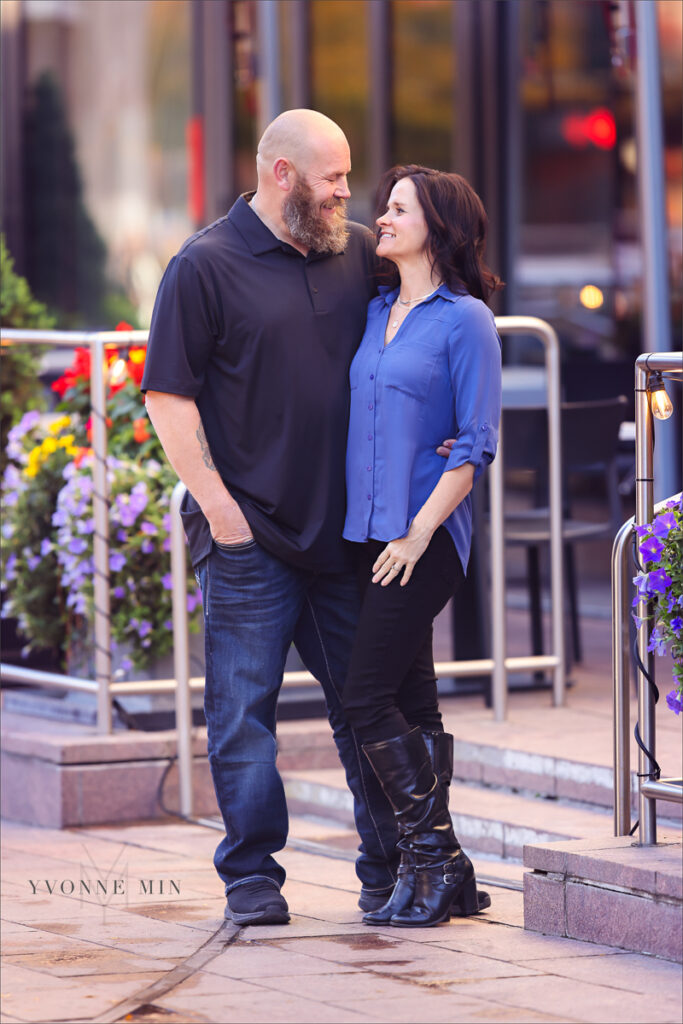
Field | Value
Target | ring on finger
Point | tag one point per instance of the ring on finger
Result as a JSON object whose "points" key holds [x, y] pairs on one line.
{"points": [[396, 568]]}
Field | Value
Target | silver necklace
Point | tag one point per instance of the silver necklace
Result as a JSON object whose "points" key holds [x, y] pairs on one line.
{"points": [[411, 302]]}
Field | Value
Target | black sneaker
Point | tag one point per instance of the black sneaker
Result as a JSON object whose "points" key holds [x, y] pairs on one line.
{"points": [[373, 900], [257, 902]]}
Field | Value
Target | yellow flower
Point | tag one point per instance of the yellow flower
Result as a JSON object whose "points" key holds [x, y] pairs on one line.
{"points": [[66, 441], [59, 424], [49, 446]]}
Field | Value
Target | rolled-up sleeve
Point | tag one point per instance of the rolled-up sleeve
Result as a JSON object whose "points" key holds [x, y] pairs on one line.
{"points": [[475, 368]]}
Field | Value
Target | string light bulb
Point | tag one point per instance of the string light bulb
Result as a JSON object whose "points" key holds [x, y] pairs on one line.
{"points": [[118, 372], [660, 403]]}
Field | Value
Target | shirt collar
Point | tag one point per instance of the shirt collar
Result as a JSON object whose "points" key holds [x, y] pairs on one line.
{"points": [[390, 294], [258, 236]]}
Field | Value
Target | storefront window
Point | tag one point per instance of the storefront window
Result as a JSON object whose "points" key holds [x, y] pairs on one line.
{"points": [[423, 66]]}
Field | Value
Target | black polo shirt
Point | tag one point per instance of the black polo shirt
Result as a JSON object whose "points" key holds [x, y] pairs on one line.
{"points": [[262, 338]]}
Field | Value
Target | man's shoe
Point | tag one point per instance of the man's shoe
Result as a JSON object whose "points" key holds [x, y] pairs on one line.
{"points": [[374, 900], [257, 902]]}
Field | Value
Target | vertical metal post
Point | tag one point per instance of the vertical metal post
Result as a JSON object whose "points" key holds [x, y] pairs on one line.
{"points": [[620, 679], [101, 537], [380, 99], [552, 361], [218, 101], [300, 20], [499, 688], [181, 653], [269, 62], [651, 191], [644, 513]]}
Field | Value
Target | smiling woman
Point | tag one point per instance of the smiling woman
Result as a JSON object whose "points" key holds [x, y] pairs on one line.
{"points": [[427, 369]]}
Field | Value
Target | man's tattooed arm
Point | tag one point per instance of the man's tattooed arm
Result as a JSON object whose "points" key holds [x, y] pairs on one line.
{"points": [[204, 445]]}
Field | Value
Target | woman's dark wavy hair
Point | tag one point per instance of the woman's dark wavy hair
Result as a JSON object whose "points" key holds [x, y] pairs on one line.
{"points": [[456, 227]]}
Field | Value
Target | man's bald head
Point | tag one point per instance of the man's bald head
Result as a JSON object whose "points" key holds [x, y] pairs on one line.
{"points": [[303, 161], [299, 136]]}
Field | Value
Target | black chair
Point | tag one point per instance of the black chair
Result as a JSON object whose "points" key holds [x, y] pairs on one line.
{"points": [[590, 445]]}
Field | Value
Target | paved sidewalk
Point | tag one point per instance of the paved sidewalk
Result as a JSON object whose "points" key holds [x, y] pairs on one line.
{"points": [[154, 946]]}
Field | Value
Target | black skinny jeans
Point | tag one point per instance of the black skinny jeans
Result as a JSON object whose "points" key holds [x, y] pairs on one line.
{"points": [[391, 685]]}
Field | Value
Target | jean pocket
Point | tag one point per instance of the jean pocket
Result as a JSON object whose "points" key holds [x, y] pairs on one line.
{"points": [[243, 544]]}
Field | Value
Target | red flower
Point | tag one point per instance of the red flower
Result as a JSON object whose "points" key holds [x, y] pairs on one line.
{"points": [[77, 373], [140, 431], [136, 363]]}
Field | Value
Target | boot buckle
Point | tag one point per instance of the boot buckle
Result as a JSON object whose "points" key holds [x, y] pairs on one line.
{"points": [[448, 878]]}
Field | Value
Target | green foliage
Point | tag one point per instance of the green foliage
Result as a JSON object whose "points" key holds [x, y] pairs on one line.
{"points": [[65, 255], [19, 364], [47, 554]]}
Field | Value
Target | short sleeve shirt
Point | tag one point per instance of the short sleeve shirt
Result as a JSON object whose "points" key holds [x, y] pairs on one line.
{"points": [[262, 338], [440, 377]]}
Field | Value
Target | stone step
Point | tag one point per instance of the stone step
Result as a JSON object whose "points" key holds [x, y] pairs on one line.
{"points": [[507, 763], [609, 890], [487, 820]]}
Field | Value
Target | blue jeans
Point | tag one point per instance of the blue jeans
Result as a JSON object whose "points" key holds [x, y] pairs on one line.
{"points": [[255, 606]]}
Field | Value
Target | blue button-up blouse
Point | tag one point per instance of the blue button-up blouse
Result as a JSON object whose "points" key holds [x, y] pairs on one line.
{"points": [[439, 377]]}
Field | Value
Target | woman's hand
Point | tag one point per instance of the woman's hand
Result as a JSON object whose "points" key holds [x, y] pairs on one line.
{"points": [[401, 556]]}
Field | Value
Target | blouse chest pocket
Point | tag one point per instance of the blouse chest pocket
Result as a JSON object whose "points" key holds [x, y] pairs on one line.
{"points": [[410, 371]]}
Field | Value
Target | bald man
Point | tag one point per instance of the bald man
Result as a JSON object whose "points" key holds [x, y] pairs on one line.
{"points": [[254, 327]]}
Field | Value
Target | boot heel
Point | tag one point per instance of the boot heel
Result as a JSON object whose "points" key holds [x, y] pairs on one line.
{"points": [[466, 900]]}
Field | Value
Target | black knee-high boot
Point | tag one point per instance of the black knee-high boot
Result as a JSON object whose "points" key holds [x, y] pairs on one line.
{"points": [[443, 873], [440, 748]]}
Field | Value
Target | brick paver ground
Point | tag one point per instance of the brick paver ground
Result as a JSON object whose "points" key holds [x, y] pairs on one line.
{"points": [[155, 947]]}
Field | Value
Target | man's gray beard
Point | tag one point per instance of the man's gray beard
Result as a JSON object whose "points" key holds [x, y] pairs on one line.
{"points": [[308, 227]]}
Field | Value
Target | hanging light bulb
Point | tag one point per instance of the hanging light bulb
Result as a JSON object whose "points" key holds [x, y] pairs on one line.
{"points": [[660, 403], [118, 372]]}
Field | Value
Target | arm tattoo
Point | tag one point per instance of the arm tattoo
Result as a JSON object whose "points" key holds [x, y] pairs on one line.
{"points": [[204, 445]]}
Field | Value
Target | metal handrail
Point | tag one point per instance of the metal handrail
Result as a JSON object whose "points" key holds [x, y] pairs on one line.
{"points": [[646, 364], [648, 790], [497, 666]]}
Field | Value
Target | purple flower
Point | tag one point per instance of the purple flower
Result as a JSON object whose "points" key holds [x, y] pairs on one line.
{"points": [[166, 523], [116, 561], [659, 581], [651, 549], [126, 664], [77, 546], [643, 530], [10, 574], [167, 581], [144, 628], [45, 546], [673, 699], [33, 561], [641, 581], [147, 546], [663, 523], [166, 546], [657, 642], [150, 528], [677, 624], [119, 593], [27, 422], [122, 536], [168, 624], [193, 600], [10, 498]]}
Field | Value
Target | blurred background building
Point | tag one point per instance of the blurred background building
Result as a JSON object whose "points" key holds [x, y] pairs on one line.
{"points": [[127, 124]]}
